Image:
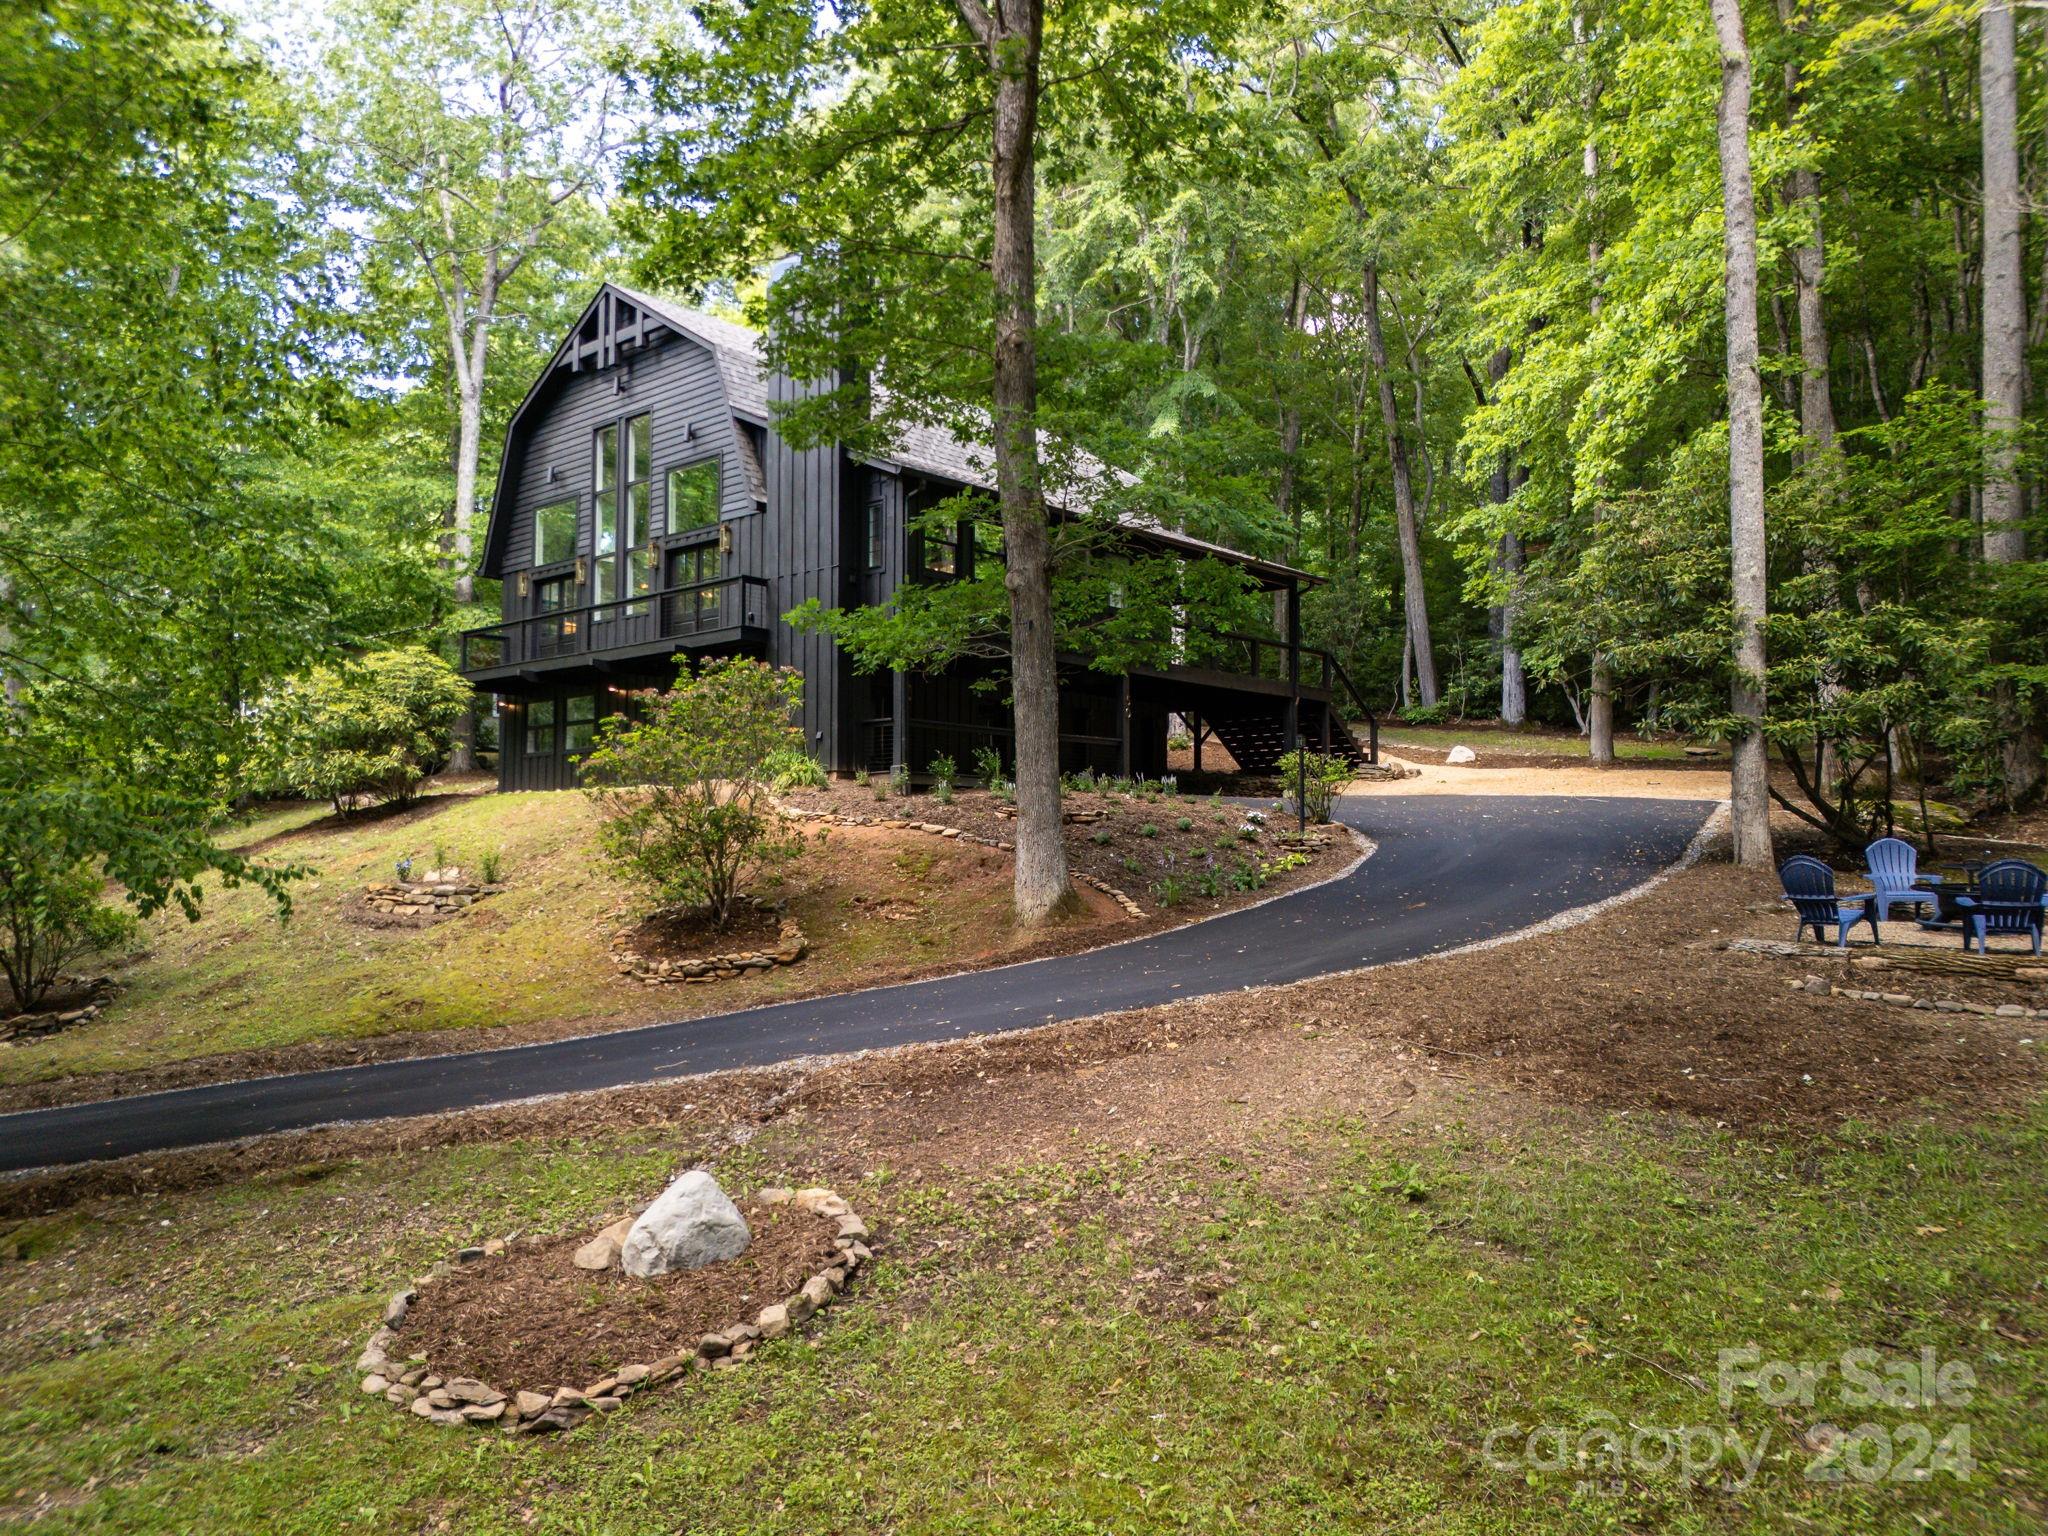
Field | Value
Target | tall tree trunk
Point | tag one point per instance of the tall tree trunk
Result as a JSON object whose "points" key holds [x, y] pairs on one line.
{"points": [[2005, 353], [1816, 398], [1514, 679], [1749, 781], [1284, 504], [10, 680], [1507, 565], [1600, 712], [468, 446], [1600, 703], [1415, 600], [1012, 38]]}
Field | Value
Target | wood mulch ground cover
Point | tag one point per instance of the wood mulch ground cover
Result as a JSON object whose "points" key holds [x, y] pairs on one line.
{"points": [[532, 1318], [672, 935], [1191, 855]]}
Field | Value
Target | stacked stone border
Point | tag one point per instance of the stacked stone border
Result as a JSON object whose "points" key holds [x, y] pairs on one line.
{"points": [[23, 1026], [431, 899], [790, 947], [1820, 986], [411, 1383], [2011, 968], [958, 834]]}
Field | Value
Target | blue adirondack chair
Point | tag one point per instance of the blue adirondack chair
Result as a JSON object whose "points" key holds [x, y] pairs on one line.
{"points": [[1894, 865], [2008, 899], [1810, 887]]}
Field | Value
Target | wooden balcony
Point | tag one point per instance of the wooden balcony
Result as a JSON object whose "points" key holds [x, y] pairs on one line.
{"points": [[731, 613]]}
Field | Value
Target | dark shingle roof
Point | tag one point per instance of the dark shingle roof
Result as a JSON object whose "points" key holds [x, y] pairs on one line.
{"points": [[927, 448]]}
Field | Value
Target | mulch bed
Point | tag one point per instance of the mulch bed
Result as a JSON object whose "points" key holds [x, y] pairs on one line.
{"points": [[533, 1318], [1104, 831], [692, 936]]}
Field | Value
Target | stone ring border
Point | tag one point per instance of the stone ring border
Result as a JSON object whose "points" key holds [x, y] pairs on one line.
{"points": [[414, 1385]]}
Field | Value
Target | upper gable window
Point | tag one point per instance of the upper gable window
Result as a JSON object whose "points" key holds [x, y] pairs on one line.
{"points": [[554, 532], [693, 496], [619, 515]]}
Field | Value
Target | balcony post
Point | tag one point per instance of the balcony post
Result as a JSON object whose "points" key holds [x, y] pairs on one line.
{"points": [[1294, 704]]}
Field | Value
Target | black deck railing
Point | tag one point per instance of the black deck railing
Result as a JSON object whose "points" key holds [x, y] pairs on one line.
{"points": [[694, 610], [1261, 656]]}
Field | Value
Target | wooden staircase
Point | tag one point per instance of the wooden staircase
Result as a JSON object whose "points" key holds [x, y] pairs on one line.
{"points": [[1256, 740]]}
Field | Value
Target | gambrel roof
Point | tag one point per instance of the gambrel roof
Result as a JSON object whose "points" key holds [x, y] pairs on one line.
{"points": [[607, 328]]}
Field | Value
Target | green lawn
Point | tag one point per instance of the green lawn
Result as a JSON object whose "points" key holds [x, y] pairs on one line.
{"points": [[1493, 738], [538, 952], [1115, 1343]]}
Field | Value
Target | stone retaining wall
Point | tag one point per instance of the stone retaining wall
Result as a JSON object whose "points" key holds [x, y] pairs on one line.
{"points": [[28, 1026], [418, 898], [790, 947], [1820, 986], [412, 1383]]}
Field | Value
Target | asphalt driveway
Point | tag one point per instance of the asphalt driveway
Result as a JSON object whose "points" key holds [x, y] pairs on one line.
{"points": [[1449, 870]]}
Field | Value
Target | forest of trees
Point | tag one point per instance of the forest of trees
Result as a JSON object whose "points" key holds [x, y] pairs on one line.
{"points": [[1622, 365]]}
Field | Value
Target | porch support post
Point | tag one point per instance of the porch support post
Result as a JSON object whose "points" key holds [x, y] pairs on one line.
{"points": [[1196, 729], [1294, 703], [1293, 666], [1123, 710], [899, 723]]}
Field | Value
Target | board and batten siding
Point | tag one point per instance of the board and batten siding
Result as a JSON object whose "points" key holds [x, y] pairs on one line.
{"points": [[677, 385], [812, 496]]}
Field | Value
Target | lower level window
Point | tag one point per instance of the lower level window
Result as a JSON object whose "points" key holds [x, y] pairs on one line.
{"points": [[581, 723], [540, 727]]}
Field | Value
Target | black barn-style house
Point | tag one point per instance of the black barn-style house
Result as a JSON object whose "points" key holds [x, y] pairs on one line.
{"points": [[646, 508]]}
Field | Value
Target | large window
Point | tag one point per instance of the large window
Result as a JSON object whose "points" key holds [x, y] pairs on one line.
{"points": [[692, 566], [554, 532], [693, 496], [619, 531], [874, 530], [941, 550], [579, 728], [540, 728]]}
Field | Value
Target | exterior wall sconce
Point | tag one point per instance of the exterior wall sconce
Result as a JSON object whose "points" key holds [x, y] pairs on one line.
{"points": [[725, 538], [525, 584], [582, 570]]}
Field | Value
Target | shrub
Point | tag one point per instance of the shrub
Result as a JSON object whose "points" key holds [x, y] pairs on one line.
{"points": [[1182, 824], [1099, 837], [1170, 890], [50, 916], [943, 770], [369, 730], [861, 777], [988, 766], [1320, 776], [490, 864], [793, 768], [1179, 741], [683, 794]]}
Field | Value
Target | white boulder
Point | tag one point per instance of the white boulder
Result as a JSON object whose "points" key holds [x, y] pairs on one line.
{"points": [[692, 1224], [1461, 754]]}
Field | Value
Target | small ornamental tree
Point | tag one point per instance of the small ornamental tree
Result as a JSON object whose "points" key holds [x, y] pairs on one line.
{"points": [[372, 729], [50, 916], [1318, 776], [684, 793]]}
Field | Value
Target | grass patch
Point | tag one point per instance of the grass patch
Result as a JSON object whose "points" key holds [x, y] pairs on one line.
{"points": [[1110, 1342], [537, 953]]}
